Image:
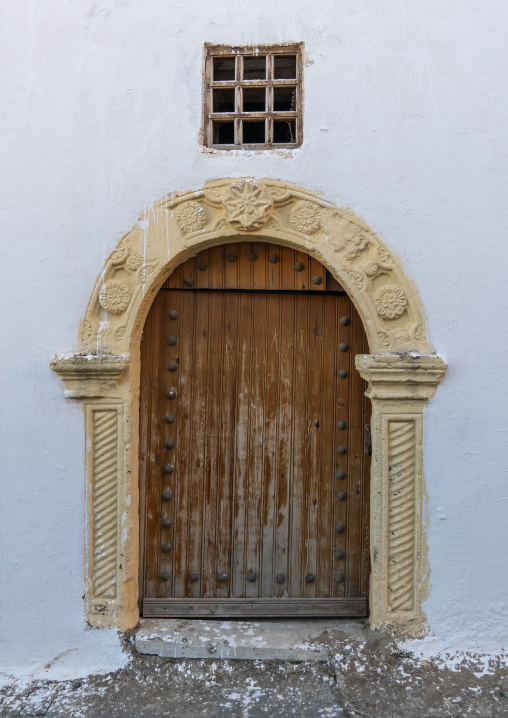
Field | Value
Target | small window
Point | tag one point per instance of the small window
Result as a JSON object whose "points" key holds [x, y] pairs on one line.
{"points": [[253, 97]]}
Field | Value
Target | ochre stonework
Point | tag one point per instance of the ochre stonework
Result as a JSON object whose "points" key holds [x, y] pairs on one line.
{"points": [[104, 371]]}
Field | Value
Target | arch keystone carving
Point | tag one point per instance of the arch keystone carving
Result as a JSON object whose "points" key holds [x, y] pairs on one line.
{"points": [[401, 371]]}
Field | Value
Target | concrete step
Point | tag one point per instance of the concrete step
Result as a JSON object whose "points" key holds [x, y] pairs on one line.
{"points": [[296, 640]]}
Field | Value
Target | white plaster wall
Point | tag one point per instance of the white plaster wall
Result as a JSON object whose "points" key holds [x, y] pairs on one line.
{"points": [[405, 122]]}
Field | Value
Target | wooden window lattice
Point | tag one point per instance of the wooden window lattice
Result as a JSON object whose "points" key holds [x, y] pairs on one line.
{"points": [[253, 97]]}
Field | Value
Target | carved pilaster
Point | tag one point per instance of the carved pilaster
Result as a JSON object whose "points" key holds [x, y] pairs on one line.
{"points": [[401, 514], [95, 378], [399, 388], [104, 430]]}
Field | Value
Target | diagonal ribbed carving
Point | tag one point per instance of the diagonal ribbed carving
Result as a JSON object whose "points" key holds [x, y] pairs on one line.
{"points": [[105, 502], [401, 514]]}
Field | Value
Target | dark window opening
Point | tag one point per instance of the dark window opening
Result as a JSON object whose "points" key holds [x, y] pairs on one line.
{"points": [[284, 67], [254, 68], [224, 100], [254, 133], [284, 131], [284, 98], [223, 68], [224, 133], [254, 100]]}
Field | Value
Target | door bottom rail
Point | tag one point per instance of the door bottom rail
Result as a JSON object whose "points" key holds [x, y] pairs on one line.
{"points": [[254, 608]]}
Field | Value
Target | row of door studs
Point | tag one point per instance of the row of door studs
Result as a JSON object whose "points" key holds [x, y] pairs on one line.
{"points": [[272, 258], [223, 577], [343, 321]]}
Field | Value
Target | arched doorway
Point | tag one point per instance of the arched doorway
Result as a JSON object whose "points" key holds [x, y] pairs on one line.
{"points": [[253, 460], [402, 374]]}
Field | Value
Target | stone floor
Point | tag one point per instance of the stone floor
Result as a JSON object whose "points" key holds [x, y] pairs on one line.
{"points": [[363, 675]]}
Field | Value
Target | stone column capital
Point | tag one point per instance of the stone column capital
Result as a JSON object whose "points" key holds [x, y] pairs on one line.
{"points": [[90, 375], [401, 376]]}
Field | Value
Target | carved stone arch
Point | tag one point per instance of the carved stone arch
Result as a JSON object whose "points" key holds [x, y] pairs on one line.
{"points": [[402, 373]]}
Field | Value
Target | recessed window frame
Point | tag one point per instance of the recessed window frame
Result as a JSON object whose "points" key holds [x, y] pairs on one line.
{"points": [[269, 115]]}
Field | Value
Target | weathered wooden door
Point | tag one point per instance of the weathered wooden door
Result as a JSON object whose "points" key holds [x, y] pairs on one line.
{"points": [[253, 469]]}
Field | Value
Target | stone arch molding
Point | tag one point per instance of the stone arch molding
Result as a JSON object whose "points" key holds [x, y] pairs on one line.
{"points": [[179, 226], [402, 373]]}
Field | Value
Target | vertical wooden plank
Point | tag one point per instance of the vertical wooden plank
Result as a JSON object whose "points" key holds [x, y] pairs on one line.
{"points": [[181, 432], [226, 463], [273, 269], [215, 361], [189, 274], [300, 437], [174, 281], [351, 457], [144, 437], [342, 419], [327, 494], [332, 284], [267, 585], [203, 270], [284, 485], [149, 437], [231, 277], [167, 327], [365, 564], [197, 443], [157, 510], [260, 268], [355, 461], [312, 477], [287, 271], [242, 433], [302, 278], [255, 486], [316, 271], [245, 266], [217, 267]]}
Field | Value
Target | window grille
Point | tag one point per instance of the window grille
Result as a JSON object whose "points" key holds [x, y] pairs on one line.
{"points": [[253, 97]]}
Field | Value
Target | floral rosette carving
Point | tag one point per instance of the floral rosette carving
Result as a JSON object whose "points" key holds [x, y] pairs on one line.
{"points": [[133, 262], [190, 217], [384, 257], [305, 217], [114, 296], [120, 253], [357, 279], [247, 206], [390, 302], [370, 268]]}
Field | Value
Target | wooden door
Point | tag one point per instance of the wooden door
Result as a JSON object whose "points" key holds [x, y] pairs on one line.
{"points": [[253, 469]]}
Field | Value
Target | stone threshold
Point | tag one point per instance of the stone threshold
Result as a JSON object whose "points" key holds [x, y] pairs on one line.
{"points": [[289, 640]]}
